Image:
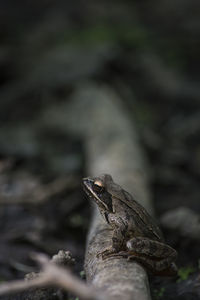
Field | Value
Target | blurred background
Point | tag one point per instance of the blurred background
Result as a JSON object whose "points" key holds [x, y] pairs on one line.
{"points": [[148, 53]]}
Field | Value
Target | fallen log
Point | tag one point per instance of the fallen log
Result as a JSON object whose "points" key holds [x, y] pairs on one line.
{"points": [[111, 147]]}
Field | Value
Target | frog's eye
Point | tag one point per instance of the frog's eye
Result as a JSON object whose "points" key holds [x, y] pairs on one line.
{"points": [[98, 183], [98, 186]]}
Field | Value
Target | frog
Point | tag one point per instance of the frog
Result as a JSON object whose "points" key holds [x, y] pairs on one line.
{"points": [[135, 234]]}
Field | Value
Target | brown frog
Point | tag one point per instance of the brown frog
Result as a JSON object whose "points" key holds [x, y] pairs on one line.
{"points": [[135, 233]]}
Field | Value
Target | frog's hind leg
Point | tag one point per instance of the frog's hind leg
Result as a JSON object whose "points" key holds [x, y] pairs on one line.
{"points": [[161, 268], [151, 248], [154, 255]]}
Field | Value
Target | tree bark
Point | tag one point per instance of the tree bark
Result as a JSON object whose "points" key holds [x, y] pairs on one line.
{"points": [[111, 147]]}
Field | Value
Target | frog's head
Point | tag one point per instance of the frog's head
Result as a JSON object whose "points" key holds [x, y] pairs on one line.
{"points": [[96, 188]]}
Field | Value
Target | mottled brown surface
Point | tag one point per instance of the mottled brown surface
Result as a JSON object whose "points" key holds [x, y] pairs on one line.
{"points": [[135, 235]]}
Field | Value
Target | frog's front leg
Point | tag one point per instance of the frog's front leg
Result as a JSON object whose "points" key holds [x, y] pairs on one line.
{"points": [[118, 242], [156, 256]]}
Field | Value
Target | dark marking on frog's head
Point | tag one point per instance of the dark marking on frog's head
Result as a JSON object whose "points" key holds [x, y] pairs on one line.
{"points": [[96, 189]]}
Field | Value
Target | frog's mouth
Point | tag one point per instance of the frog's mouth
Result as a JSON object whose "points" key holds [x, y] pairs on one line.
{"points": [[89, 190]]}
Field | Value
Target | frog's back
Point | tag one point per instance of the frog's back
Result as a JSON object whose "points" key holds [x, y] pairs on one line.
{"points": [[142, 221]]}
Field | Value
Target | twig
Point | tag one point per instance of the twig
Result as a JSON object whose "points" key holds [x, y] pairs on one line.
{"points": [[51, 275]]}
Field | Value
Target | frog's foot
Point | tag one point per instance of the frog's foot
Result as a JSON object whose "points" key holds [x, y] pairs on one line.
{"points": [[124, 254], [108, 252], [170, 271], [160, 267]]}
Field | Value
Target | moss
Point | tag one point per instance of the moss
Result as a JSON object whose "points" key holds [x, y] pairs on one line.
{"points": [[82, 274], [158, 294], [184, 273]]}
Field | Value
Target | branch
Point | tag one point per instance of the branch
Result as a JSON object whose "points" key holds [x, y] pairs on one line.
{"points": [[112, 147], [51, 275]]}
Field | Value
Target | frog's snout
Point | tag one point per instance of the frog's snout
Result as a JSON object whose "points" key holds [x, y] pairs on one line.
{"points": [[87, 181]]}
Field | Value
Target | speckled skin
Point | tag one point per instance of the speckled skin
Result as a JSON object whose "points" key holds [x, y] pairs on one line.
{"points": [[135, 234]]}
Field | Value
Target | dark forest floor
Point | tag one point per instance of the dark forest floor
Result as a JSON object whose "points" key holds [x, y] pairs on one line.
{"points": [[145, 52]]}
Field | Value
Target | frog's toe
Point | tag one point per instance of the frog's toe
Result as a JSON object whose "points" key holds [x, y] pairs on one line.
{"points": [[110, 252], [120, 254], [105, 253], [99, 255]]}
